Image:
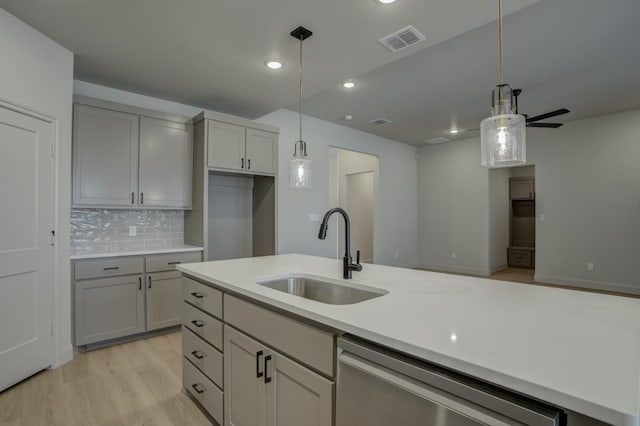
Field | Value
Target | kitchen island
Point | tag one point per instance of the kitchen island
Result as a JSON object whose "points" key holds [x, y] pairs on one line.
{"points": [[575, 350]]}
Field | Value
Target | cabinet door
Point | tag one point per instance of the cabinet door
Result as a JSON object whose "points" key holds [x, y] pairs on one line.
{"points": [[226, 146], [165, 163], [243, 380], [105, 157], [107, 308], [296, 395], [261, 152], [164, 299], [521, 190]]}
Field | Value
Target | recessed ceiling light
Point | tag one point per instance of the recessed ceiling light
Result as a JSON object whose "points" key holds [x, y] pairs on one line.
{"points": [[454, 131], [386, 1], [274, 64], [349, 84]]}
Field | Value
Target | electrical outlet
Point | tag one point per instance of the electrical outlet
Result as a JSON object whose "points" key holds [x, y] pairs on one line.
{"points": [[314, 218], [395, 256], [453, 255], [543, 217], [589, 266], [132, 231]]}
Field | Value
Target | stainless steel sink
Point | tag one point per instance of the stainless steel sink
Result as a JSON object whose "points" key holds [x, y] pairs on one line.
{"points": [[323, 291]]}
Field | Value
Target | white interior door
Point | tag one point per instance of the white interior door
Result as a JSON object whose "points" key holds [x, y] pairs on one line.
{"points": [[360, 205], [26, 253]]}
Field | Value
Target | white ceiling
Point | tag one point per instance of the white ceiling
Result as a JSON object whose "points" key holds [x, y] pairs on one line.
{"points": [[581, 54]]}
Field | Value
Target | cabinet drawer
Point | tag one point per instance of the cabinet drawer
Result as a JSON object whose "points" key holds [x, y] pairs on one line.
{"points": [[204, 356], [202, 389], [205, 326], [108, 267], [520, 258], [304, 342], [168, 262], [204, 297]]}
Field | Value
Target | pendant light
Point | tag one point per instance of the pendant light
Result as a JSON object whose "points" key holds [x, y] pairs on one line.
{"points": [[300, 165], [503, 135]]}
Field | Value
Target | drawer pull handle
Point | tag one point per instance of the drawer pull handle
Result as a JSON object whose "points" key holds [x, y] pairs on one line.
{"points": [[112, 268], [197, 354], [197, 387], [197, 323], [174, 263], [267, 358], [197, 295], [258, 372]]}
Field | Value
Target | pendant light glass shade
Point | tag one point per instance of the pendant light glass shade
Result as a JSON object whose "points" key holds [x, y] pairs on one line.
{"points": [[503, 135], [300, 167]]}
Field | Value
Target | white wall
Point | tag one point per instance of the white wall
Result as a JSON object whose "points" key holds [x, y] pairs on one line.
{"points": [[37, 74], [499, 209], [453, 208], [587, 186], [396, 222]]}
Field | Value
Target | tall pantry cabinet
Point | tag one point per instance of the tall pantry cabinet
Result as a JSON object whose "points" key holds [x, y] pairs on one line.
{"points": [[234, 187]]}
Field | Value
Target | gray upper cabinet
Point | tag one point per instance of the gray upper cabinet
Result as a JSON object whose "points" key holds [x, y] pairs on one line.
{"points": [[226, 143], [232, 147], [165, 163], [122, 159], [261, 151], [105, 157]]}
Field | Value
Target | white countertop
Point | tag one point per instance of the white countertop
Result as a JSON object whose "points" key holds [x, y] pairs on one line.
{"points": [[576, 350], [137, 252]]}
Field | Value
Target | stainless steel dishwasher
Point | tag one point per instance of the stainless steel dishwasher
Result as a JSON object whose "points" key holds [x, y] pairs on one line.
{"points": [[378, 387]]}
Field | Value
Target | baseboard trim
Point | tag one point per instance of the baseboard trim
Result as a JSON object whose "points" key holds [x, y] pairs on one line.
{"points": [[498, 268], [65, 354], [588, 284], [456, 269]]}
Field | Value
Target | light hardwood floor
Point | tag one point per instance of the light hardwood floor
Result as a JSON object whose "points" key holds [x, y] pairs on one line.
{"points": [[137, 383]]}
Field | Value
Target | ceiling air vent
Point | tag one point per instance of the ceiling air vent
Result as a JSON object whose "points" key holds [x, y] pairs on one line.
{"points": [[402, 38], [436, 141], [380, 121]]}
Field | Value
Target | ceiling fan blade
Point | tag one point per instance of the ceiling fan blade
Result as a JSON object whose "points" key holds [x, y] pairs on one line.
{"points": [[545, 125], [548, 115]]}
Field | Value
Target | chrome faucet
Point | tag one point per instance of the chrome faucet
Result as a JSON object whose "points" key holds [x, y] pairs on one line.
{"points": [[347, 266]]}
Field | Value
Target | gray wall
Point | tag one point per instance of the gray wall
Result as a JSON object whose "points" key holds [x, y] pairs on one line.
{"points": [[396, 221], [37, 74], [499, 208], [587, 186], [453, 208]]}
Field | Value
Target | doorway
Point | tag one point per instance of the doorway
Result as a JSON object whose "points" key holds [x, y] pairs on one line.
{"points": [[513, 221], [355, 189]]}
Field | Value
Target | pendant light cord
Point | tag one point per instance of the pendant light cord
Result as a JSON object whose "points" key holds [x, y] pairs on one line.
{"points": [[500, 39], [301, 71]]}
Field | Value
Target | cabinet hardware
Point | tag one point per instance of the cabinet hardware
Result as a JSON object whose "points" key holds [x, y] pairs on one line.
{"points": [[139, 283], [197, 295], [197, 389], [197, 354], [267, 358], [142, 198], [258, 372], [197, 323], [112, 268], [149, 282], [242, 163], [174, 263], [132, 200], [249, 164]]}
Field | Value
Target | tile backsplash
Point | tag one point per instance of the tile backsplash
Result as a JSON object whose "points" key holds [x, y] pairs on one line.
{"points": [[107, 231]]}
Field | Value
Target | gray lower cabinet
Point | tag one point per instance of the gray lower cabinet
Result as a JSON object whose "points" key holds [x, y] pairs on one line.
{"points": [[107, 308], [264, 387], [164, 299]]}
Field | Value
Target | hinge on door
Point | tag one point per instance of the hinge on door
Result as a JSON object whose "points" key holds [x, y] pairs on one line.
{"points": [[53, 237]]}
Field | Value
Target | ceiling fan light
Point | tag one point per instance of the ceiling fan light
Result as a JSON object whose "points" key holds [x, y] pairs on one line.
{"points": [[503, 141]]}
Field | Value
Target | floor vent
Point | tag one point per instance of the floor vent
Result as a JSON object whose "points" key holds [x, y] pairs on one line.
{"points": [[380, 121], [403, 38], [436, 141]]}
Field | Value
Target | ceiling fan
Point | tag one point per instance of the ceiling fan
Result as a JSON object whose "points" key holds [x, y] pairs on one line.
{"points": [[533, 121]]}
